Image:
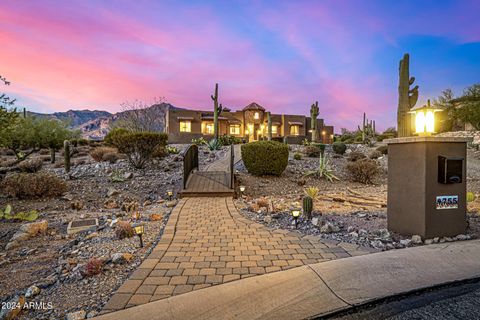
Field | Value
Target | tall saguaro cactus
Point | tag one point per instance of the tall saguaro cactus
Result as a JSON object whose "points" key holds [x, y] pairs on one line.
{"points": [[313, 118], [217, 109], [407, 98], [269, 125]]}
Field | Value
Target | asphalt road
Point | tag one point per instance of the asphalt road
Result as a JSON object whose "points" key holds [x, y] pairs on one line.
{"points": [[459, 301]]}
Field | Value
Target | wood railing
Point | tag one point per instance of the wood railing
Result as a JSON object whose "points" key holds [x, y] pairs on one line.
{"points": [[190, 162]]}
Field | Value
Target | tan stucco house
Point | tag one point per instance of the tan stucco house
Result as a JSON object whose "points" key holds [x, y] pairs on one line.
{"points": [[250, 123]]}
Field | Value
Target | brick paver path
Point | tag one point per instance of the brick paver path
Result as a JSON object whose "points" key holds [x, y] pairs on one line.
{"points": [[224, 163], [207, 242]]}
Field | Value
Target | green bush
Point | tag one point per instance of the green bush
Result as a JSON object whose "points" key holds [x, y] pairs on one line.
{"points": [[265, 157], [297, 156], [312, 151], [139, 147], [33, 185], [113, 134], [320, 146], [383, 149], [363, 170], [339, 147], [227, 140]]}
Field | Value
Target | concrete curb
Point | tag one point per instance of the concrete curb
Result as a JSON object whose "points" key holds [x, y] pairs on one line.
{"points": [[319, 289]]}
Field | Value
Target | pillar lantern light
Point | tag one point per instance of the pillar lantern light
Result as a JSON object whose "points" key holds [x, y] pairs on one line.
{"points": [[170, 194], [295, 215], [139, 229], [425, 119]]}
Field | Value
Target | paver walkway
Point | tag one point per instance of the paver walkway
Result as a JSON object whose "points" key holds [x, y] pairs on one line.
{"points": [[207, 242], [224, 163]]}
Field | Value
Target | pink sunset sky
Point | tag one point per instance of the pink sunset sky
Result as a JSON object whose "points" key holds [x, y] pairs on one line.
{"points": [[284, 55]]}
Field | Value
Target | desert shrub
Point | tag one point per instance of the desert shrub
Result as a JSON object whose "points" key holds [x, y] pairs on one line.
{"points": [[227, 140], [375, 154], [98, 153], [111, 157], [8, 163], [383, 149], [6, 152], [31, 166], [265, 157], [199, 141], [159, 152], [33, 185], [356, 155], [363, 170], [113, 134], [45, 158], [320, 146], [339, 147], [262, 203], [172, 150], [124, 230], [297, 156], [94, 266], [139, 147], [312, 151]]}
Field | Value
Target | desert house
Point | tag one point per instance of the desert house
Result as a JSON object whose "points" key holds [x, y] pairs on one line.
{"points": [[250, 124]]}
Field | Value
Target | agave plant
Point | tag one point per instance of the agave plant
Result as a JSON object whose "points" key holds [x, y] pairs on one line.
{"points": [[214, 144], [25, 216], [323, 170]]}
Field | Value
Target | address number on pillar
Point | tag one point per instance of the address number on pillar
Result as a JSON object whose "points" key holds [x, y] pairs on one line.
{"points": [[447, 202]]}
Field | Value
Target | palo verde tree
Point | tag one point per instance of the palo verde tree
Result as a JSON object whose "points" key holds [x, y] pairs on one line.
{"points": [[8, 114]]}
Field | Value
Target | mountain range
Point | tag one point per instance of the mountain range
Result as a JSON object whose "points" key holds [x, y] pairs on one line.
{"points": [[94, 125]]}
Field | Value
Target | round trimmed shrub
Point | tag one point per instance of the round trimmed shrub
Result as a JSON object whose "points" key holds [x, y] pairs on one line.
{"points": [[363, 170], [297, 156], [339, 147], [356, 155], [265, 157], [312, 151]]}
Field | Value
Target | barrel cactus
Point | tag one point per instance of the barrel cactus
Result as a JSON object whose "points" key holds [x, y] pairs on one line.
{"points": [[307, 206], [470, 196]]}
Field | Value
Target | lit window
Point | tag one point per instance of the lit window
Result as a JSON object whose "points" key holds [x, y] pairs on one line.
{"points": [[274, 129], [235, 129], [207, 128], [185, 126], [256, 116], [294, 130]]}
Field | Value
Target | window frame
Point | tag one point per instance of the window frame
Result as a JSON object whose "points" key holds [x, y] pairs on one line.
{"points": [[185, 126], [236, 127], [292, 130]]}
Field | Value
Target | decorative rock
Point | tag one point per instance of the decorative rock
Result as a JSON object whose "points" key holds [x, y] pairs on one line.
{"points": [[156, 217], [315, 221], [329, 228], [119, 258], [35, 228], [416, 239], [90, 236], [12, 245], [171, 204], [428, 241], [448, 239], [362, 233], [461, 237], [267, 219], [128, 175], [350, 229], [353, 234], [382, 233], [436, 239], [32, 292], [77, 315], [405, 242], [112, 192]]}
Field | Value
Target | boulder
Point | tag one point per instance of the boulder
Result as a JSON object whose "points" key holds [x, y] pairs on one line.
{"points": [[32, 292], [77, 315], [112, 192], [329, 228], [35, 228], [416, 239], [12, 245], [156, 217], [119, 258]]}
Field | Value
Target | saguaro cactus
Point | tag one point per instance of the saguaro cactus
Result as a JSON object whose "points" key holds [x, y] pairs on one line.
{"points": [[269, 125], [407, 98], [217, 109], [66, 153], [313, 118]]}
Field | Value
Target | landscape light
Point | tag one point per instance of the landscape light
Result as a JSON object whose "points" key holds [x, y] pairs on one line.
{"points": [[242, 188], [170, 194], [323, 133], [425, 119], [139, 229], [296, 214]]}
